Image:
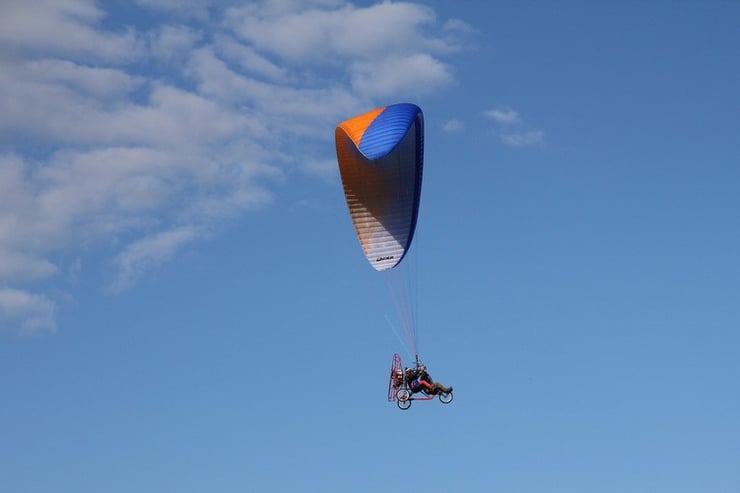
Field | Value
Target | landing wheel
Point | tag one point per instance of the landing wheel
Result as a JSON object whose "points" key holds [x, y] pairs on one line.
{"points": [[403, 399], [445, 397]]}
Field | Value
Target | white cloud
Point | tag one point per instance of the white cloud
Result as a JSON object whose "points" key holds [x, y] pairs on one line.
{"points": [[24, 266], [30, 311], [172, 42], [94, 82], [505, 116], [289, 107], [197, 9], [106, 126], [326, 168], [150, 251], [64, 27], [311, 34], [250, 60], [60, 101], [506, 119], [419, 73], [386, 47], [525, 139], [458, 26], [453, 126]]}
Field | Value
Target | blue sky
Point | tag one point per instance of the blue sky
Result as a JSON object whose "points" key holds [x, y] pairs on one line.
{"points": [[184, 306]]}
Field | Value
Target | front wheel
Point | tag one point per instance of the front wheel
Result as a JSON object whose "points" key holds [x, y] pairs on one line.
{"points": [[404, 404], [445, 397]]}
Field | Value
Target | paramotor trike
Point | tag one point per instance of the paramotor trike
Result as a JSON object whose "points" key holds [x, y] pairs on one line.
{"points": [[399, 388]]}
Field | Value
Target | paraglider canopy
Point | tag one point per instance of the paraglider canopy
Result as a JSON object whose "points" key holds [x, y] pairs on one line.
{"points": [[380, 155]]}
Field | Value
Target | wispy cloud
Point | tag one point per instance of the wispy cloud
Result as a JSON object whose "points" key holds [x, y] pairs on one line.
{"points": [[69, 28], [505, 116], [524, 139], [325, 168], [453, 126], [508, 119], [31, 311], [144, 253], [107, 126]]}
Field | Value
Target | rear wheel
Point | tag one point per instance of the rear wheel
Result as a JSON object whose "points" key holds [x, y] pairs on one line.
{"points": [[403, 398], [445, 397]]}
